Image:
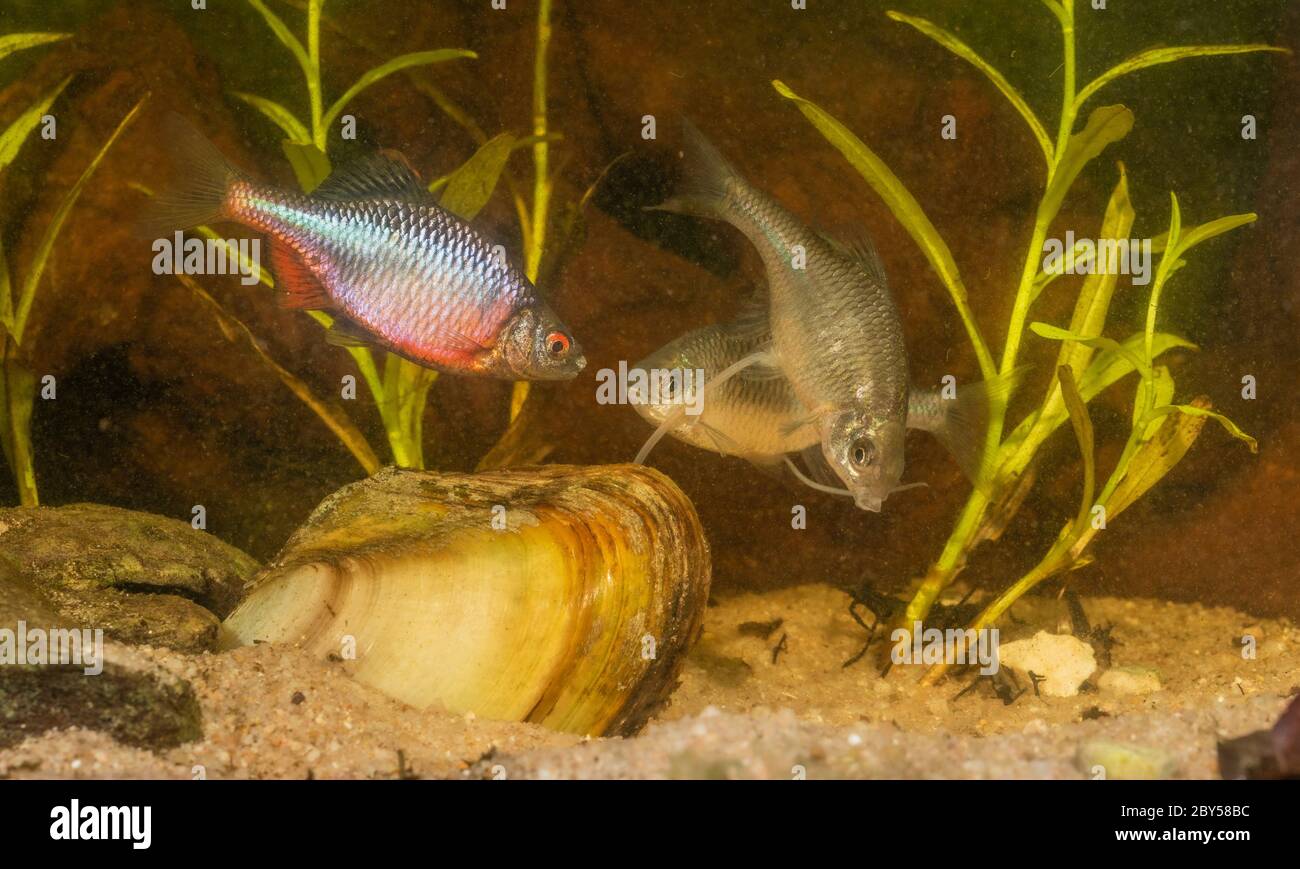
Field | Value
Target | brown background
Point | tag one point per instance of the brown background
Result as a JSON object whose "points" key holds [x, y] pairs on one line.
{"points": [[156, 411]]}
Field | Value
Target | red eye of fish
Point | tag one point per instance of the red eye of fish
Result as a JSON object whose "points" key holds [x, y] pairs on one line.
{"points": [[557, 343]]}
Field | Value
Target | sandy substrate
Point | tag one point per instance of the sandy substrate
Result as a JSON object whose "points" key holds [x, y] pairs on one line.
{"points": [[741, 711]]}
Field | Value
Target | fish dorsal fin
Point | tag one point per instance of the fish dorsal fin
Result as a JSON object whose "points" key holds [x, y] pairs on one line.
{"points": [[859, 247], [751, 320], [384, 174], [752, 326]]}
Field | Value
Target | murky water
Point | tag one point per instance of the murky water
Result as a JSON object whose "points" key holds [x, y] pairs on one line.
{"points": [[158, 395]]}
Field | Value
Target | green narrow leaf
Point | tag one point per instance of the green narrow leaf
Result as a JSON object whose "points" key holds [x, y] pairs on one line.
{"points": [[1157, 391], [1055, 333], [279, 115], [37, 267], [470, 187], [1093, 304], [1082, 424], [1206, 231], [310, 165], [17, 132], [19, 41], [6, 297], [966, 53], [1195, 410], [1105, 126], [1156, 457], [571, 228], [396, 64], [1109, 366], [1083, 251], [904, 207], [285, 35], [329, 412], [1169, 263], [1156, 56]]}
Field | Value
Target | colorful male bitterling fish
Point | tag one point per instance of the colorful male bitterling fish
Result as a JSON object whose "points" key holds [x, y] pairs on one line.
{"points": [[373, 248]]}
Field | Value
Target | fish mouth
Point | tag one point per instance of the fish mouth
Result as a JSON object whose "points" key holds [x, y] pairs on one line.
{"points": [[570, 369], [868, 501]]}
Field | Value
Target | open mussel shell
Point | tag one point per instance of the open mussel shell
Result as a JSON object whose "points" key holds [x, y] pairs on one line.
{"points": [[564, 596]]}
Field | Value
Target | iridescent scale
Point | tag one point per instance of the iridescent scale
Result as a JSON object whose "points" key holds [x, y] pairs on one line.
{"points": [[407, 271]]}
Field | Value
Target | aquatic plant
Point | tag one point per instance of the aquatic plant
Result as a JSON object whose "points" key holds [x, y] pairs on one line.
{"points": [[17, 379], [1087, 362]]}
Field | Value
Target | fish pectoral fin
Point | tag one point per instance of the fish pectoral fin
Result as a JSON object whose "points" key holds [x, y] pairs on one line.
{"points": [[759, 365], [453, 339], [386, 173], [722, 444], [299, 287], [819, 469], [835, 488], [795, 425], [344, 332]]}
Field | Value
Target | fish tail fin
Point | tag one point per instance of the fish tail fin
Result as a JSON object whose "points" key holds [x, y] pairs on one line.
{"points": [[962, 422], [203, 178], [706, 180]]}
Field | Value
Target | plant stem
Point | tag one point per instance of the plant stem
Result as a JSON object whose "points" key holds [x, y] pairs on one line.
{"points": [[535, 236], [16, 418], [541, 149], [955, 550], [314, 82]]}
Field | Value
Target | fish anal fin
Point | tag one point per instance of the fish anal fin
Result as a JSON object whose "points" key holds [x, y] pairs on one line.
{"points": [[299, 287], [345, 332]]}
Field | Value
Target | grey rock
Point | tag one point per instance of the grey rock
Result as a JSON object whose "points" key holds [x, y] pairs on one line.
{"points": [[142, 578], [122, 693]]}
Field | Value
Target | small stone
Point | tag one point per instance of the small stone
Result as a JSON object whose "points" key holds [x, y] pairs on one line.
{"points": [[1122, 762], [1059, 663], [1130, 681], [1035, 727]]}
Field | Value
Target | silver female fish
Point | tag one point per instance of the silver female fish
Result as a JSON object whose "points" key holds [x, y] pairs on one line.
{"points": [[757, 415], [836, 331], [754, 415]]}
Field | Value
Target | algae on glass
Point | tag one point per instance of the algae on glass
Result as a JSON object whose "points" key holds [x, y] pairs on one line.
{"points": [[18, 382], [1088, 361]]}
